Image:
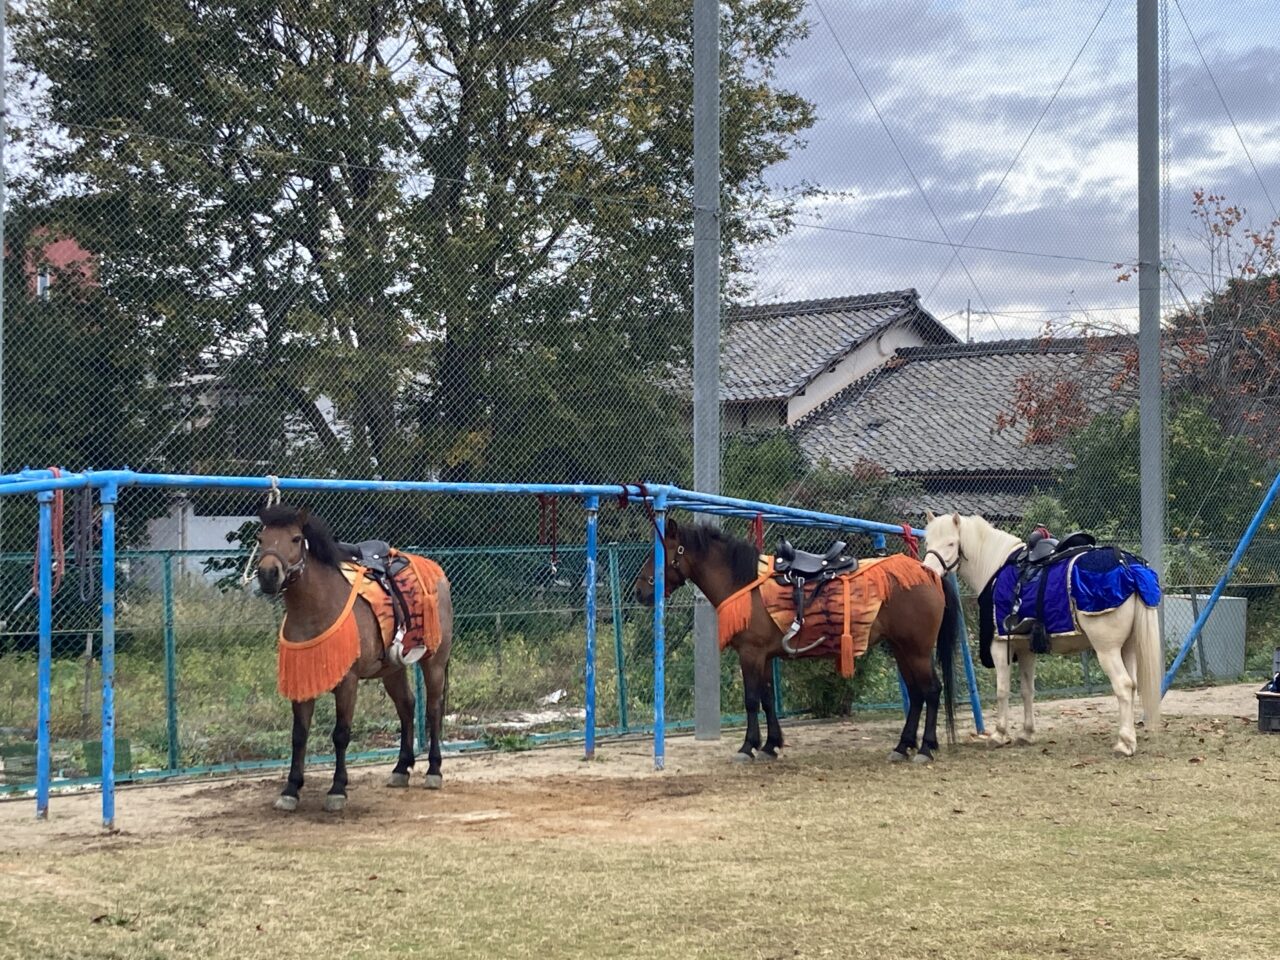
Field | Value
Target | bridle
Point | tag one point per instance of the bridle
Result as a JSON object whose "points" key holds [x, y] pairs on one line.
{"points": [[292, 571], [948, 567], [673, 565]]}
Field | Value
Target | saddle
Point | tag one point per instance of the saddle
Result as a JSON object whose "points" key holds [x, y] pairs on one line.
{"points": [[1032, 561], [798, 568], [383, 566]]}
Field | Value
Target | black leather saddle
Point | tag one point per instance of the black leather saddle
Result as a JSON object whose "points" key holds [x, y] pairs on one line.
{"points": [[797, 568]]}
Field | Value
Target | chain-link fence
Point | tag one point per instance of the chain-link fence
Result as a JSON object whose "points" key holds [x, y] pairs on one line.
{"points": [[453, 241]]}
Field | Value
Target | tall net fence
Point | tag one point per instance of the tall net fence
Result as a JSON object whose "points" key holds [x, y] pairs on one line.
{"points": [[445, 240]]}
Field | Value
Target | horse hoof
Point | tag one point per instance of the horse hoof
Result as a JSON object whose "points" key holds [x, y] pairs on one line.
{"points": [[1123, 750], [764, 756], [1025, 740], [334, 802], [398, 780], [433, 781], [741, 757], [922, 758], [896, 757], [287, 804]]}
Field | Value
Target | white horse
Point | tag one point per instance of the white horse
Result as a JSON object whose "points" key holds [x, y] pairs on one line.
{"points": [[1126, 639]]}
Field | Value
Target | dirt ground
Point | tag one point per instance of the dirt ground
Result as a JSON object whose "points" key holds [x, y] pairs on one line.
{"points": [[544, 792], [830, 852]]}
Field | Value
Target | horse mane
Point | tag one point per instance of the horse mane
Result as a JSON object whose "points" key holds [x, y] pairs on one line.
{"points": [[742, 556], [321, 543]]}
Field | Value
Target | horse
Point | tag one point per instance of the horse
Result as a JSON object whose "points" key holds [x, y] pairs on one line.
{"points": [[1126, 639], [913, 620], [300, 559]]}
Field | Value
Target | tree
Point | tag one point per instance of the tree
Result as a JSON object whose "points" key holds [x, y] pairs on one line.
{"points": [[467, 224]]}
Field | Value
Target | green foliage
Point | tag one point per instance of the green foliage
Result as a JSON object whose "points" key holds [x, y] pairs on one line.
{"points": [[1102, 491], [466, 225]]}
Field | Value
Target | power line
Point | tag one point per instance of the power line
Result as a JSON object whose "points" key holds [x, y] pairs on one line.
{"points": [[892, 139], [1030, 133], [961, 246], [1223, 101]]}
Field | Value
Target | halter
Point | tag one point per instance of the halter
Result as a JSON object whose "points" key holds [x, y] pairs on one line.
{"points": [[674, 565], [948, 567], [292, 571]]}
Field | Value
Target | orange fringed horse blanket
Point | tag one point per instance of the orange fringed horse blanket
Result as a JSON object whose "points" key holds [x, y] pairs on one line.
{"points": [[840, 618], [307, 669]]}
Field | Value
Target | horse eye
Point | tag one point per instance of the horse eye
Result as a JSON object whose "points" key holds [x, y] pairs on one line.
{"points": [[297, 539]]}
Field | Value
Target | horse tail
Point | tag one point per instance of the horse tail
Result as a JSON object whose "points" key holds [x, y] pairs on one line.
{"points": [[948, 636], [1146, 633]]}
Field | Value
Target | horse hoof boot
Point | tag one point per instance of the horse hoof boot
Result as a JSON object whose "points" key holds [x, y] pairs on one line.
{"points": [[334, 802], [433, 781], [741, 757], [398, 780], [897, 757], [922, 758], [287, 804]]}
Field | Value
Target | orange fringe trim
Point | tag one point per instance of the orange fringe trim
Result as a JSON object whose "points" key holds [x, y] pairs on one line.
{"points": [[735, 612], [306, 670], [429, 574]]}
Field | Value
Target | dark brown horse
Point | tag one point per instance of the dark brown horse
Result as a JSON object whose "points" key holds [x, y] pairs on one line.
{"points": [[300, 559], [913, 621]]}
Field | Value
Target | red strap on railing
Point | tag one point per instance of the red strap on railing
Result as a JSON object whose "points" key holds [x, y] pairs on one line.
{"points": [[911, 540], [757, 531]]}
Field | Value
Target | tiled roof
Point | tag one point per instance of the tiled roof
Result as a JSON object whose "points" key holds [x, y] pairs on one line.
{"points": [[995, 505], [772, 352], [935, 409]]}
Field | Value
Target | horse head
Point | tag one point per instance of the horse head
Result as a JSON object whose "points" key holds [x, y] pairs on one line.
{"points": [[678, 568], [282, 546]]}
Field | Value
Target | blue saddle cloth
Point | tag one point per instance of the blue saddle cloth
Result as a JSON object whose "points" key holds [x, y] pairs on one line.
{"points": [[1101, 579]]}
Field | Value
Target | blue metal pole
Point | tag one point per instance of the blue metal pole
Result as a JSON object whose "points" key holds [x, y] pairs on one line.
{"points": [[619, 655], [420, 710], [777, 686], [659, 634], [974, 701], [170, 663], [46, 655], [109, 496], [593, 523], [1221, 585]]}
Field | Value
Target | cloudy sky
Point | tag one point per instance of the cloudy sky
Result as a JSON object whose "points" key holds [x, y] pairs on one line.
{"points": [[960, 86]]}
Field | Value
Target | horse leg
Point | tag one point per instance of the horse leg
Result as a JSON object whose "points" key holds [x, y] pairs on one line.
{"points": [[344, 698], [773, 741], [1111, 659], [435, 673], [401, 693], [1000, 655], [1027, 669], [302, 713], [752, 675]]}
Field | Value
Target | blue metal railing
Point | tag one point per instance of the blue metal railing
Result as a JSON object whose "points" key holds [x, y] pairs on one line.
{"points": [[661, 497]]}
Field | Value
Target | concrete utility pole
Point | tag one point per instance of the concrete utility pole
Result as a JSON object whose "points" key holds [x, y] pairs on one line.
{"points": [[1150, 407], [706, 334]]}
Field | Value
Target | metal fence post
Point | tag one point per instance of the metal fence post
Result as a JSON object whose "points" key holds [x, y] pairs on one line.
{"points": [[593, 522], [109, 496], [45, 683], [975, 703], [619, 656], [170, 663], [659, 632], [777, 686], [420, 710]]}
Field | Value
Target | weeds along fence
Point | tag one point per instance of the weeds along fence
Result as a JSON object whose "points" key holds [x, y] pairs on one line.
{"points": [[185, 670]]}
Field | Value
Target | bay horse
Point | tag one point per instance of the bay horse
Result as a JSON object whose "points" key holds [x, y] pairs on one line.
{"points": [[1126, 638], [300, 559], [913, 621]]}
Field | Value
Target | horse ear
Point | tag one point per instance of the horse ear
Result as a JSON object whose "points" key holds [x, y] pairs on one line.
{"points": [[304, 516], [672, 527], [955, 518], [929, 517]]}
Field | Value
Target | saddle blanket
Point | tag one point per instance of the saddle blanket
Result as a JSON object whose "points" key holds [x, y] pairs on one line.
{"points": [[1092, 582], [836, 624], [417, 584]]}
